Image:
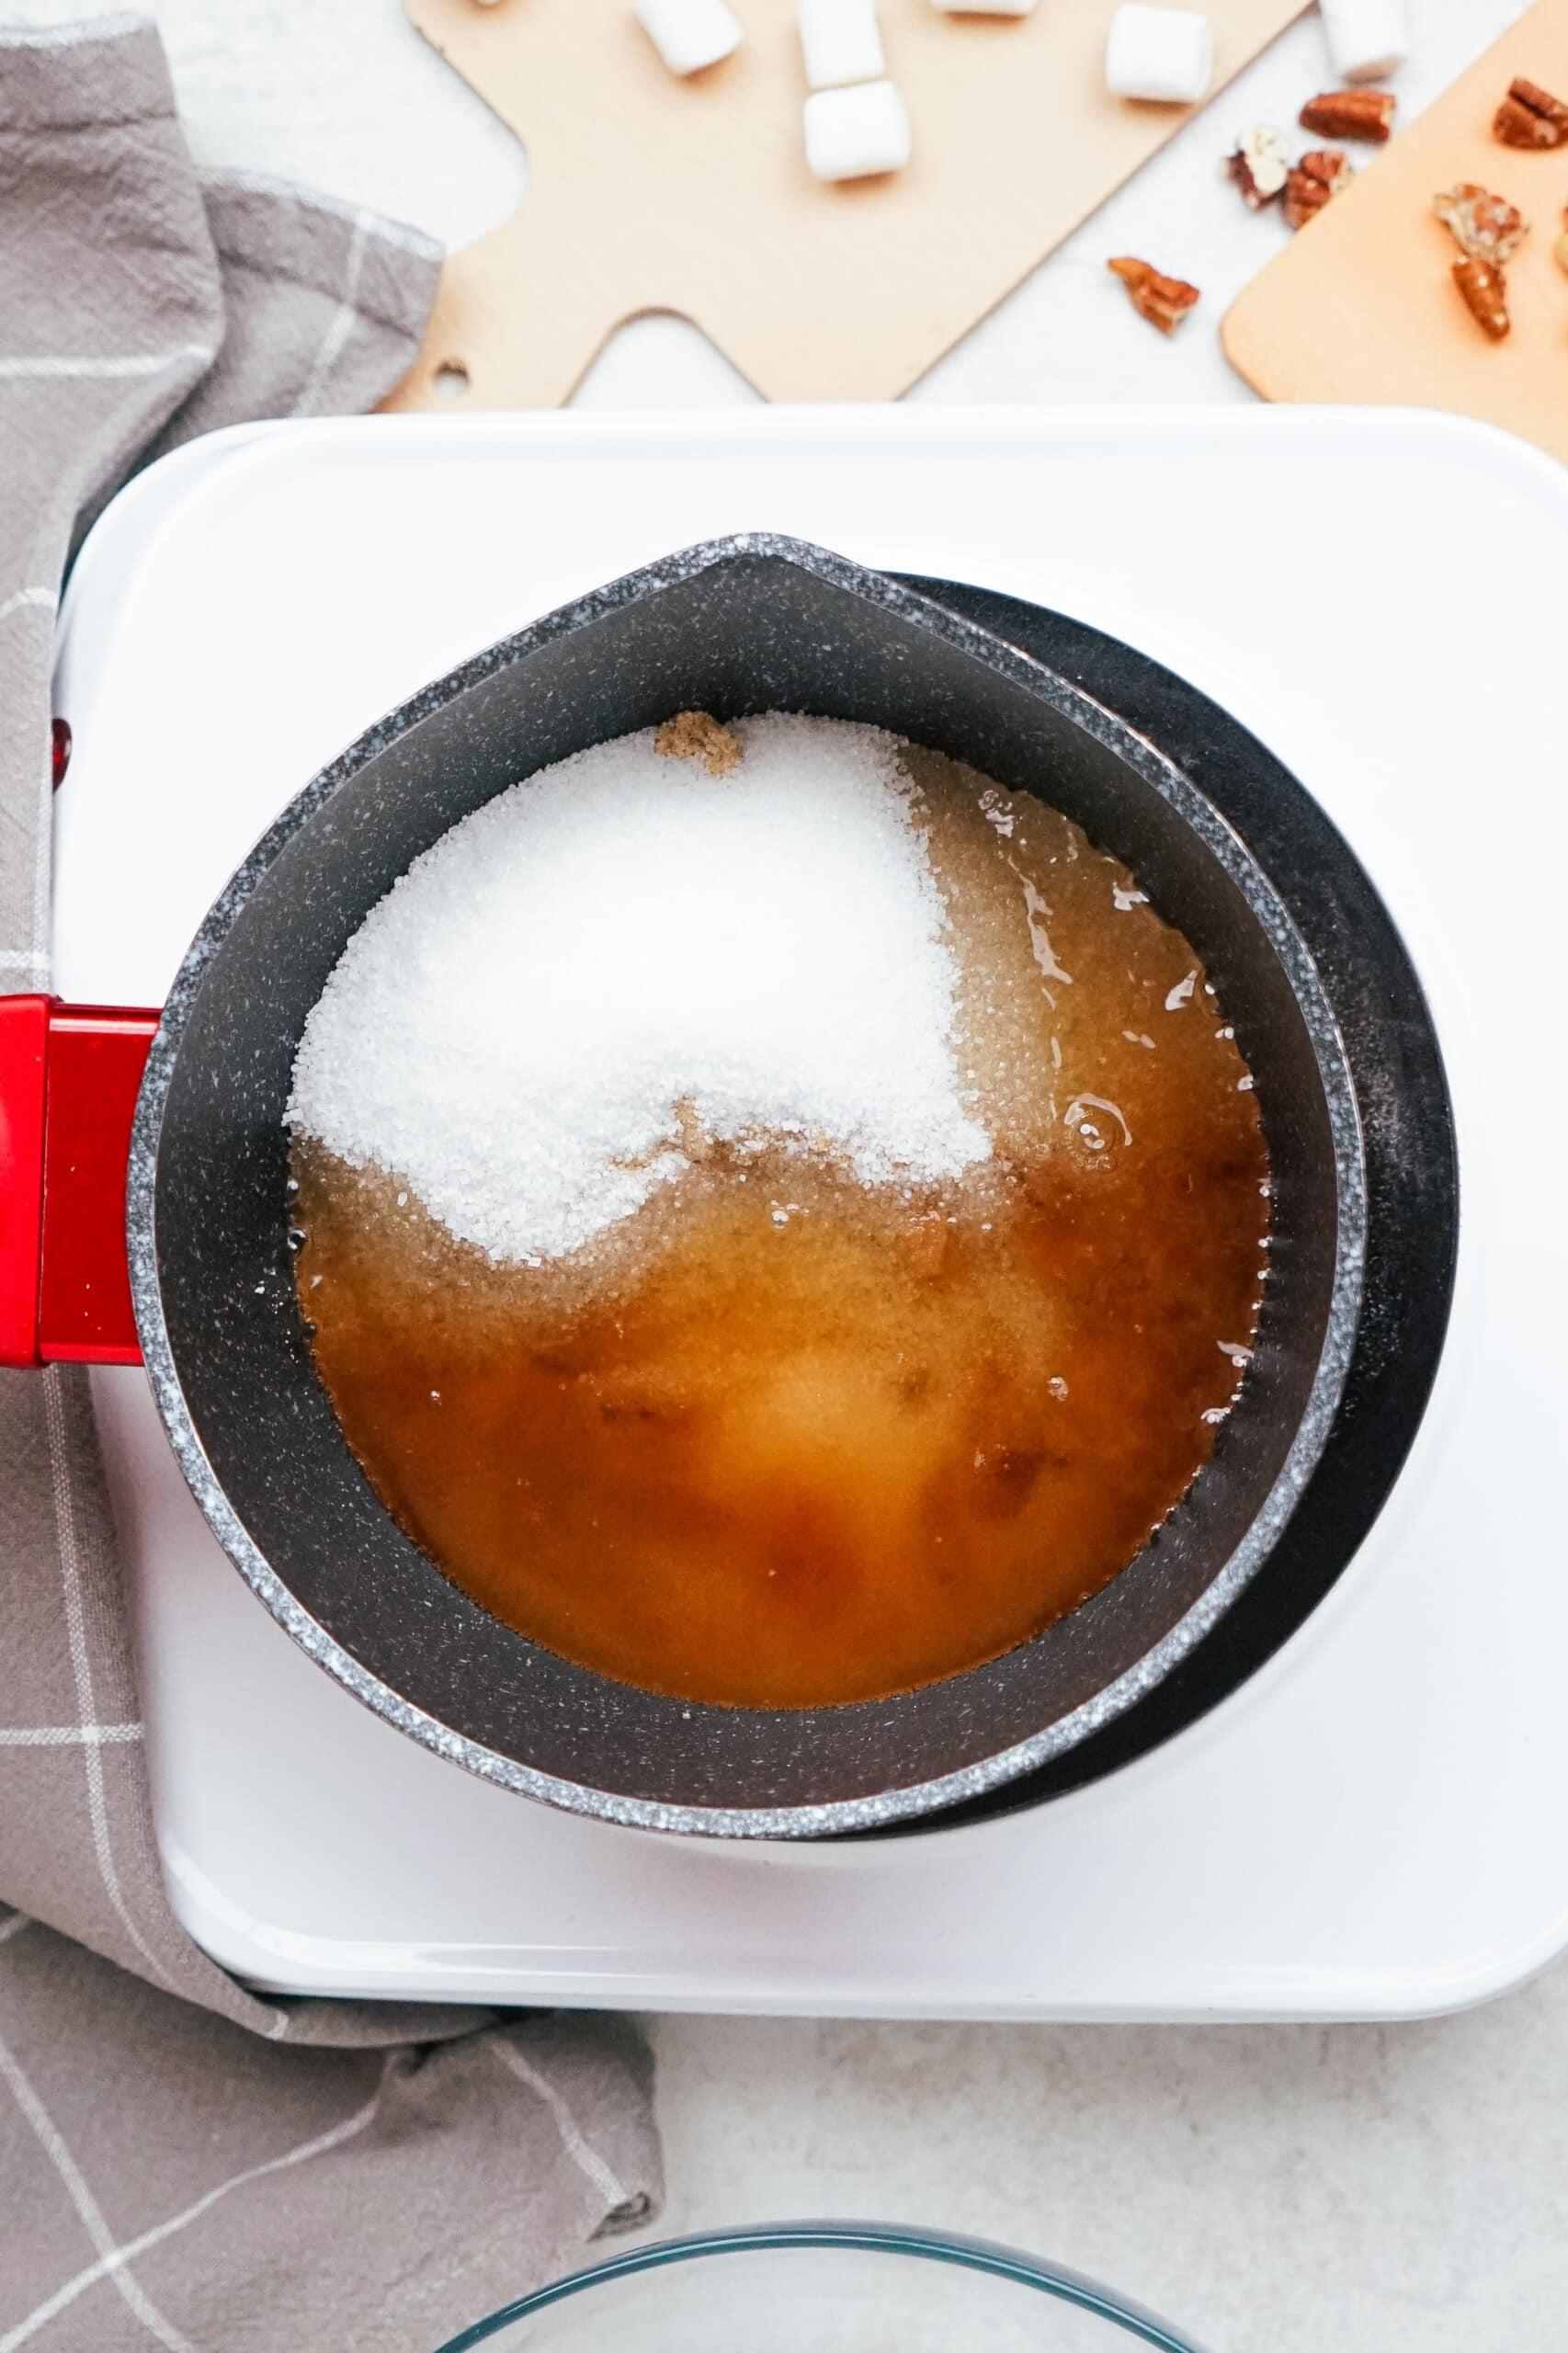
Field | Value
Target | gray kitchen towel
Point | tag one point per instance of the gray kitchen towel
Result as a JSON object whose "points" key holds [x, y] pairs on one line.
{"points": [[182, 2160]]}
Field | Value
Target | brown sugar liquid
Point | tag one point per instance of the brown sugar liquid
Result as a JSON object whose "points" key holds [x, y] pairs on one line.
{"points": [[781, 1440]]}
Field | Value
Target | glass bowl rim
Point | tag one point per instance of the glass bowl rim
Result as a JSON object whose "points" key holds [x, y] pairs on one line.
{"points": [[985, 2256]]}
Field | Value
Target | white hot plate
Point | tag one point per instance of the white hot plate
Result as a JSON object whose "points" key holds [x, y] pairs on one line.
{"points": [[1372, 1825]]}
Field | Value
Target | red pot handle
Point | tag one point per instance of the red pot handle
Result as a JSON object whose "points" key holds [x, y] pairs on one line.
{"points": [[68, 1080]]}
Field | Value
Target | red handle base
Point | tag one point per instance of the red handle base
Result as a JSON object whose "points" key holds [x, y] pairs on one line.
{"points": [[69, 1075]]}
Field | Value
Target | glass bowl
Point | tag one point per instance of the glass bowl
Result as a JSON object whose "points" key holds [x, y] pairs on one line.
{"points": [[821, 2287]]}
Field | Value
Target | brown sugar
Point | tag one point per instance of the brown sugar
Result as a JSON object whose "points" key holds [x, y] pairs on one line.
{"points": [[696, 735]]}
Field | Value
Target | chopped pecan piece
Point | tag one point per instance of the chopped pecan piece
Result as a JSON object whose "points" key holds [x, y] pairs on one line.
{"points": [[1350, 114], [1484, 226], [1322, 172], [1163, 302], [1259, 164], [1530, 116], [1485, 297]]}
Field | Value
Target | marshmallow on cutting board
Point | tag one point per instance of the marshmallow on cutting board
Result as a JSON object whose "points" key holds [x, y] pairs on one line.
{"points": [[1165, 54], [852, 134], [840, 42], [689, 34], [1367, 39]]}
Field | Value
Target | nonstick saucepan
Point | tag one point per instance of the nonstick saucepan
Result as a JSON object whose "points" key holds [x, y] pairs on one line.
{"points": [[1327, 1013]]}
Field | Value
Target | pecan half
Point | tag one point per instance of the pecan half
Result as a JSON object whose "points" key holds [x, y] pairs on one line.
{"points": [[1322, 172], [1484, 226], [1530, 116], [1485, 297], [1259, 164], [1163, 302], [1350, 114]]}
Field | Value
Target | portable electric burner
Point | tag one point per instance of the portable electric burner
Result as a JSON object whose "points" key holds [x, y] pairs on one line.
{"points": [[1355, 1826]]}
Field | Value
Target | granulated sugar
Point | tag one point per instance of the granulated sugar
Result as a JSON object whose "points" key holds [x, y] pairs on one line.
{"points": [[625, 954]]}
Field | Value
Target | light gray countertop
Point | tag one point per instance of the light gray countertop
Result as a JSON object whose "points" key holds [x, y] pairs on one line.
{"points": [[1278, 2188]]}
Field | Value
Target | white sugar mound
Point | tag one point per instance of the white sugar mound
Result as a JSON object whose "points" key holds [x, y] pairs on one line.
{"points": [[518, 1025]]}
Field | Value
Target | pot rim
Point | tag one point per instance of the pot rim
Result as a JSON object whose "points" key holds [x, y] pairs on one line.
{"points": [[877, 1809]]}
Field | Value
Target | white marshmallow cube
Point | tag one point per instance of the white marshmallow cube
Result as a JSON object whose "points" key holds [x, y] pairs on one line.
{"points": [[1368, 40], [850, 135], [1165, 54], [840, 42], [985, 7], [689, 34]]}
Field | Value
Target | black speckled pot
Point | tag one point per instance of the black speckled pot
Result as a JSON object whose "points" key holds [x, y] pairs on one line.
{"points": [[1247, 867]]}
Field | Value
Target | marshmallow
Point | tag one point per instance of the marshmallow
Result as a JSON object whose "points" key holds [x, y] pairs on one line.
{"points": [[840, 42], [689, 34], [1162, 53], [985, 7], [1367, 39], [852, 134]]}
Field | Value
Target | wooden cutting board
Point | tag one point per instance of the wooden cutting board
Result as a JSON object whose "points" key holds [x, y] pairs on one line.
{"points": [[651, 194], [1361, 306]]}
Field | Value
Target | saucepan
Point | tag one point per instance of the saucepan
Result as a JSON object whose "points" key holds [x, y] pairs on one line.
{"points": [[1326, 1008]]}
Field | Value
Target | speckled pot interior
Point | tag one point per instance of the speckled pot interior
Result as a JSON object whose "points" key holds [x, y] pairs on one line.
{"points": [[751, 625]]}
